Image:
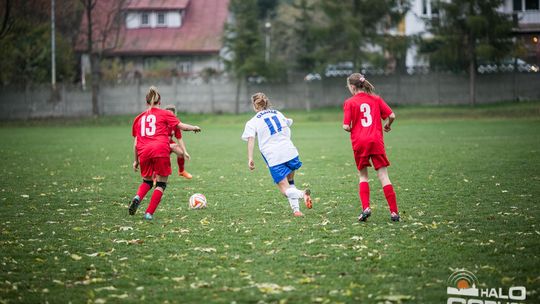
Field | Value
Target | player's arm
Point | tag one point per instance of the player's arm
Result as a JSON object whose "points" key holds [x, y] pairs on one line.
{"points": [[188, 127], [136, 161], [347, 121], [389, 121], [251, 145]]}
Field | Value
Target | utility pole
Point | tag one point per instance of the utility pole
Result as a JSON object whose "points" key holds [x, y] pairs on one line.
{"points": [[268, 27], [53, 48]]}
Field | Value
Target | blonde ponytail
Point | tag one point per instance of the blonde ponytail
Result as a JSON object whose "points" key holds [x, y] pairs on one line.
{"points": [[359, 81], [260, 101], [153, 97]]}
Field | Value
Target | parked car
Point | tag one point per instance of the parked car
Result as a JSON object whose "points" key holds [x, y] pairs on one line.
{"points": [[312, 77], [507, 65], [340, 69]]}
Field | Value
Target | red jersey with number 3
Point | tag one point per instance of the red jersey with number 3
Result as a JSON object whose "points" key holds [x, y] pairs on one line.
{"points": [[363, 112], [152, 128]]}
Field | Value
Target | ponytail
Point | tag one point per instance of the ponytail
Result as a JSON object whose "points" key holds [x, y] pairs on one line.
{"points": [[153, 97], [359, 81], [260, 101]]}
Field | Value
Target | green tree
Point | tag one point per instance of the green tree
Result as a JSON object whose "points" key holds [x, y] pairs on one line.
{"points": [[355, 27], [26, 43], [245, 54], [468, 30]]}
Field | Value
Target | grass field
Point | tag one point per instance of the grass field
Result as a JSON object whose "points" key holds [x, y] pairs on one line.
{"points": [[467, 182]]}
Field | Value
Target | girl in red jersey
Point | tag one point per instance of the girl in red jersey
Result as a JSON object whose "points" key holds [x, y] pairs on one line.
{"points": [[362, 117], [151, 130], [179, 148]]}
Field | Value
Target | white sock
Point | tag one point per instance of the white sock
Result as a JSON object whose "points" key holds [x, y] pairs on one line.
{"points": [[294, 193], [294, 204]]}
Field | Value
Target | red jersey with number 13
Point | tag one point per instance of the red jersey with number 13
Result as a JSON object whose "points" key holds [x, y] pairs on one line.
{"points": [[363, 112], [153, 130]]}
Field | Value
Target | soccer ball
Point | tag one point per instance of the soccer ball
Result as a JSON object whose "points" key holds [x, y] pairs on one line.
{"points": [[197, 201]]}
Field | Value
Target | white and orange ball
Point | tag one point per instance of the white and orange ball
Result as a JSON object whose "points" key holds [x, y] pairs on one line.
{"points": [[197, 201]]}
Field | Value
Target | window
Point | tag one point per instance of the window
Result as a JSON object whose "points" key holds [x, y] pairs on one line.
{"points": [[161, 18], [429, 8], [184, 67], [517, 6], [145, 19], [532, 4]]}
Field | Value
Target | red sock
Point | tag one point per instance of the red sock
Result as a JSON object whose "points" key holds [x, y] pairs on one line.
{"points": [[143, 189], [390, 197], [155, 200], [181, 161], [363, 192]]}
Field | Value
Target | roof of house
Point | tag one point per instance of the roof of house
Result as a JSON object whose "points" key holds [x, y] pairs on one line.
{"points": [[201, 31], [157, 4]]}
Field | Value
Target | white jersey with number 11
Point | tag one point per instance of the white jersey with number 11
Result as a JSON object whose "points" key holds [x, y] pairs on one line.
{"points": [[273, 132]]}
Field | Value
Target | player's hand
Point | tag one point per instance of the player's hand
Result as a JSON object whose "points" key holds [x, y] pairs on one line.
{"points": [[387, 128], [196, 129], [136, 165], [187, 156], [251, 164]]}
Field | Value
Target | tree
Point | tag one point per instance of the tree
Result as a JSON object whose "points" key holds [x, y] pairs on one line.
{"points": [[355, 26], [6, 22], [243, 43], [26, 51], [466, 31], [102, 25], [306, 57]]}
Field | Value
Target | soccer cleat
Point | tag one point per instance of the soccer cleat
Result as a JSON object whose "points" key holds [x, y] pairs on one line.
{"points": [[394, 217], [364, 215], [133, 206], [148, 217], [307, 199], [298, 214], [185, 174]]}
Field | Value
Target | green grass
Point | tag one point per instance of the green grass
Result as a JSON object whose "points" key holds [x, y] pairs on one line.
{"points": [[467, 182]]}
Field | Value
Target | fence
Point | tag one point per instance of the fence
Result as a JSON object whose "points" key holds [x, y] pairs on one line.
{"points": [[220, 94]]}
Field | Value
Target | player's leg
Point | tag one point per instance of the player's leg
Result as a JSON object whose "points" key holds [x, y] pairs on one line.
{"points": [[362, 164], [144, 187], [363, 193], [293, 165], [290, 179], [146, 173], [389, 193], [181, 161], [163, 170], [292, 195]]}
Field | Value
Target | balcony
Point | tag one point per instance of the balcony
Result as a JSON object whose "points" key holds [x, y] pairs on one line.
{"points": [[527, 21]]}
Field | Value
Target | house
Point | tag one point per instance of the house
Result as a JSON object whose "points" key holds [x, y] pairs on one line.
{"points": [[181, 36], [526, 18], [525, 14]]}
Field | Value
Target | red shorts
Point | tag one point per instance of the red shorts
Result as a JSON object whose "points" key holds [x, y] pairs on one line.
{"points": [[159, 165], [378, 160]]}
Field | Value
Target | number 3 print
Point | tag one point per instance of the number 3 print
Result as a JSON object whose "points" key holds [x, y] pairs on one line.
{"points": [[366, 110]]}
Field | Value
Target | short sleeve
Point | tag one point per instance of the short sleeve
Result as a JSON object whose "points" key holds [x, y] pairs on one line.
{"points": [[385, 109], [249, 131], [346, 113], [172, 120], [134, 127], [289, 121]]}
